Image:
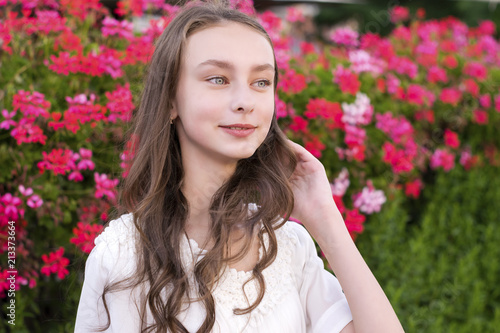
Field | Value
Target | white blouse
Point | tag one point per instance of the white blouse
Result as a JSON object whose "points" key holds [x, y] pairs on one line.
{"points": [[301, 296]]}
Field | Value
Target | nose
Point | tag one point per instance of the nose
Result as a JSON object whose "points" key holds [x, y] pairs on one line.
{"points": [[243, 98]]}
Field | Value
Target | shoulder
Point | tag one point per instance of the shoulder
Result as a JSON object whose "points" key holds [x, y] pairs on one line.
{"points": [[117, 231], [114, 249], [296, 234]]}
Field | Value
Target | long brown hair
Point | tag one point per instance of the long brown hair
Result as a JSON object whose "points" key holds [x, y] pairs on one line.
{"points": [[152, 189]]}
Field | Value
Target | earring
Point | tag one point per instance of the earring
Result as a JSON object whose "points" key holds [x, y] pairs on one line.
{"points": [[171, 121]]}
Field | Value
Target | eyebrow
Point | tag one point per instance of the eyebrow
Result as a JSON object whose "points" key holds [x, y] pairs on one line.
{"points": [[227, 65]]}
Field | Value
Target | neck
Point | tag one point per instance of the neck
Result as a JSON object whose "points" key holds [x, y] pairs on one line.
{"points": [[202, 178]]}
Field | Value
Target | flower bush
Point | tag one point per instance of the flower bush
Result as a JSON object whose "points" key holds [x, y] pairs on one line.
{"points": [[386, 115]]}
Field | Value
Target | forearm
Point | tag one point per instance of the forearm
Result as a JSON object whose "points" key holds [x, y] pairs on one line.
{"points": [[370, 308]]}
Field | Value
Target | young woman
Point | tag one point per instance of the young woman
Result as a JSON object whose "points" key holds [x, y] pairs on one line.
{"points": [[206, 246]]}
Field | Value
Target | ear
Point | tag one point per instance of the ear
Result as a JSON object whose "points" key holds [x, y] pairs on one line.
{"points": [[173, 110]]}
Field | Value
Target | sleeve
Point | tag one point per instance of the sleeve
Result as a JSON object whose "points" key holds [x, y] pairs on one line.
{"points": [[321, 295], [107, 263]]}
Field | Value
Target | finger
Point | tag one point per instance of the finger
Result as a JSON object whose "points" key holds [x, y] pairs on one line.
{"points": [[301, 152]]}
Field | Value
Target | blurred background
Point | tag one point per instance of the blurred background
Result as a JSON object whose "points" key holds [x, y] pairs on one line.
{"points": [[400, 100]]}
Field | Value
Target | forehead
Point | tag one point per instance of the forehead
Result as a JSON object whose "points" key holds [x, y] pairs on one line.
{"points": [[232, 42]]}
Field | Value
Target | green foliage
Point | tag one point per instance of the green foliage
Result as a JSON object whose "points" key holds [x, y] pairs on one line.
{"points": [[440, 270]]}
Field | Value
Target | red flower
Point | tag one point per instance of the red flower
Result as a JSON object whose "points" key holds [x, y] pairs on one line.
{"points": [[58, 160], [292, 82], [427, 115], [298, 124], [399, 161], [120, 103], [354, 222], [55, 263], [85, 235], [399, 14], [471, 87], [330, 111], [413, 188], [381, 84], [347, 80], [450, 62], [480, 117], [451, 139], [315, 146]]}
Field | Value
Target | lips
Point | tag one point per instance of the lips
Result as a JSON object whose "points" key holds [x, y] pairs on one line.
{"points": [[239, 130], [238, 126]]}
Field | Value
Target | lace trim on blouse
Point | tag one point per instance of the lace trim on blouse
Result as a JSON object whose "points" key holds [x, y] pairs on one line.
{"points": [[228, 294]]}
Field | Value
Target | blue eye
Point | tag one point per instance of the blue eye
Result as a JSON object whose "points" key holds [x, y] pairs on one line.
{"points": [[263, 83], [218, 80]]}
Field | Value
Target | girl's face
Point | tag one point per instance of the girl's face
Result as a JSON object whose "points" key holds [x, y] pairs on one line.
{"points": [[226, 83]]}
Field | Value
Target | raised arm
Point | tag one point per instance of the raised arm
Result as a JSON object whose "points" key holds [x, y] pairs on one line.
{"points": [[316, 209]]}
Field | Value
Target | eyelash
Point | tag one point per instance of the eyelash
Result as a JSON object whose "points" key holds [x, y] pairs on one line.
{"points": [[212, 79]]}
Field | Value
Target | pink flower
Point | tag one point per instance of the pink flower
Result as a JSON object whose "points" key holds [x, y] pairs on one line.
{"points": [[399, 14], [418, 95], [5, 38], [292, 82], [34, 201], [392, 83], [281, 107], [399, 129], [403, 65], [467, 160], [450, 96], [362, 61], [85, 235], [120, 104], [354, 135], [323, 109], [111, 27], [85, 162], [31, 104], [341, 183], [75, 176], [298, 124], [369, 200], [359, 112], [485, 101], [8, 122], [5, 283], [294, 14], [476, 70], [451, 139], [497, 103], [347, 80], [105, 187], [442, 158], [345, 36], [398, 159], [27, 132], [480, 117], [437, 74], [25, 191], [55, 263], [9, 206], [470, 86], [487, 27], [47, 21]]}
